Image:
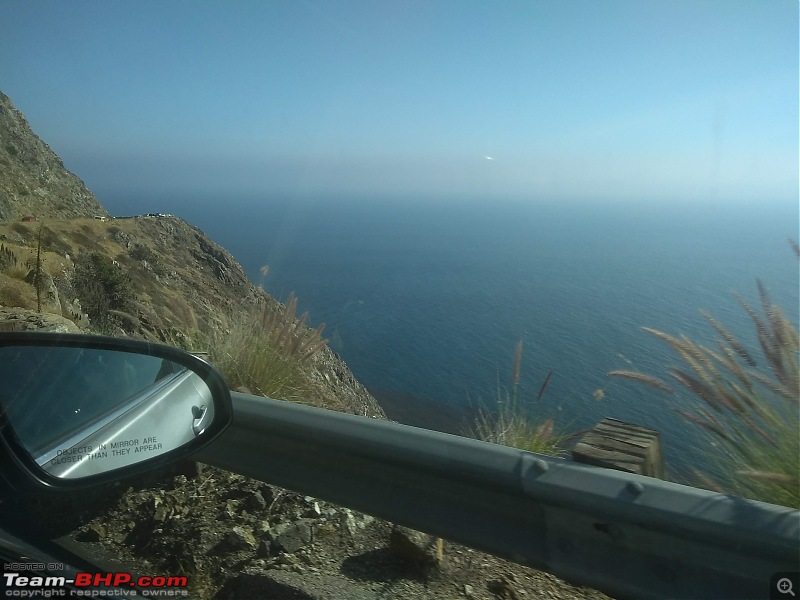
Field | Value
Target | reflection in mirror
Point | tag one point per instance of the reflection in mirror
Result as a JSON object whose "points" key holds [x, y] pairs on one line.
{"points": [[83, 411]]}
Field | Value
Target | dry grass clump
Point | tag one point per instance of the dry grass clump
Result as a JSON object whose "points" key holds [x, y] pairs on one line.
{"points": [[267, 352], [11, 265], [290, 335], [747, 405], [183, 312], [16, 293], [7, 258], [512, 423], [17, 272], [36, 263]]}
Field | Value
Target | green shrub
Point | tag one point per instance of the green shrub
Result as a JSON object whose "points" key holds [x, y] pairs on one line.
{"points": [[141, 252], [101, 286], [20, 228]]}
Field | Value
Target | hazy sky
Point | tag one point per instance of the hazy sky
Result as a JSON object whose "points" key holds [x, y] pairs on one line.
{"points": [[692, 100]]}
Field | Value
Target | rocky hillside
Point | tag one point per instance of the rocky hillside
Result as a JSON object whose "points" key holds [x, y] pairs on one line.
{"points": [[185, 290], [33, 180], [180, 287]]}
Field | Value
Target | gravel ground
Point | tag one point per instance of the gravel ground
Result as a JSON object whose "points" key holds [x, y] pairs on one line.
{"points": [[234, 537]]}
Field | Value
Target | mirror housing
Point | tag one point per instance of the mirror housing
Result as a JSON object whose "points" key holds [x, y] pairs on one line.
{"points": [[78, 410]]}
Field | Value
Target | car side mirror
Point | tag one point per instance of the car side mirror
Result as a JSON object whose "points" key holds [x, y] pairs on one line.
{"points": [[80, 409]]}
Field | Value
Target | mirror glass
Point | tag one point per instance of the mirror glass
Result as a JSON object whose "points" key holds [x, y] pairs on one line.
{"points": [[82, 411]]}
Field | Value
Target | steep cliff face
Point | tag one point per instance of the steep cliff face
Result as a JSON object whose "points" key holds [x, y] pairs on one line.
{"points": [[183, 289], [33, 180]]}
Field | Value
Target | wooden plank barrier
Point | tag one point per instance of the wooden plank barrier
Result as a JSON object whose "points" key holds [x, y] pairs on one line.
{"points": [[614, 444]]}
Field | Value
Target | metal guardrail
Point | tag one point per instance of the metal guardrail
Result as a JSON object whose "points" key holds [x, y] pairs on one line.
{"points": [[626, 535]]}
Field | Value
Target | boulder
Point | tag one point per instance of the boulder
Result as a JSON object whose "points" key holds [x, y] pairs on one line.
{"points": [[21, 319], [416, 547]]}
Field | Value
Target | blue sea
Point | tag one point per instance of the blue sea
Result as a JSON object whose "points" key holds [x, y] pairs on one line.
{"points": [[427, 300]]}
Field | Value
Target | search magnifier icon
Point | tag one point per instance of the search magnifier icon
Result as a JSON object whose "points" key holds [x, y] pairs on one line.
{"points": [[784, 586]]}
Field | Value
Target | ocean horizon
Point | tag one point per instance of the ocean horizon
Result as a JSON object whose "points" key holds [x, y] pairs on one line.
{"points": [[425, 301]]}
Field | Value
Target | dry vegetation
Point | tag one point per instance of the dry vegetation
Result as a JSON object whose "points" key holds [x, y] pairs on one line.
{"points": [[172, 293], [267, 352], [747, 404], [515, 423], [161, 279]]}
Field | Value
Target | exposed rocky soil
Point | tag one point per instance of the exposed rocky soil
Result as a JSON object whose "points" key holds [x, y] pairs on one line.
{"points": [[238, 538], [33, 180], [182, 281]]}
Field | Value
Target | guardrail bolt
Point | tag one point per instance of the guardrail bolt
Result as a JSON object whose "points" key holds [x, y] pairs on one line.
{"points": [[540, 465], [635, 488]]}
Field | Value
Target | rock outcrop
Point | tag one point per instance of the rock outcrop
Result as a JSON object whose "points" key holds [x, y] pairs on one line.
{"points": [[33, 180], [21, 319]]}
